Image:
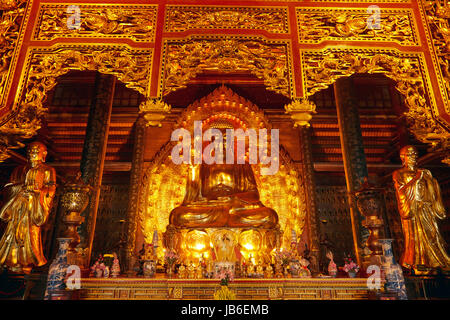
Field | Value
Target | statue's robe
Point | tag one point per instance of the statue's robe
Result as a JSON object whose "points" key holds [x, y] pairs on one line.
{"points": [[222, 195], [420, 205], [25, 212]]}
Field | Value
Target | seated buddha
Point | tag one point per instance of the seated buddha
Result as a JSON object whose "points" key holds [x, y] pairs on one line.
{"points": [[222, 195]]}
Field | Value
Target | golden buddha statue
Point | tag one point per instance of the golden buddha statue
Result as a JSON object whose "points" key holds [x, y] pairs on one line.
{"points": [[30, 195], [419, 204], [222, 195]]}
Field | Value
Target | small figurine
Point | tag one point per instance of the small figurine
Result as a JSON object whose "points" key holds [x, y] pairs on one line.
{"points": [[278, 269], [191, 270], [210, 269], [182, 272], [259, 271], [332, 269], [115, 268], [199, 272], [268, 272]]}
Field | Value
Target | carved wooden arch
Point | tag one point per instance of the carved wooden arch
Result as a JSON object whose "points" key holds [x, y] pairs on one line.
{"points": [[164, 183], [323, 68], [44, 66], [223, 101]]}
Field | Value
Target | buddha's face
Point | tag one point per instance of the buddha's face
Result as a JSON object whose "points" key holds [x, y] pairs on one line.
{"points": [[36, 153], [409, 156]]}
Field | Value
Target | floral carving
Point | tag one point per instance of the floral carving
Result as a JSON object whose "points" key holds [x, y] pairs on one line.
{"points": [[184, 60], [438, 19], [181, 18], [321, 69], [317, 25], [10, 22], [130, 66], [134, 22]]}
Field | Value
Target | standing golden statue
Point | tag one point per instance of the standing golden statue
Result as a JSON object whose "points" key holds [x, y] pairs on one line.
{"points": [[30, 194], [419, 204]]}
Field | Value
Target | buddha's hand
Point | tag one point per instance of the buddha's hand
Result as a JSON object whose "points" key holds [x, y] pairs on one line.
{"points": [[32, 188]]}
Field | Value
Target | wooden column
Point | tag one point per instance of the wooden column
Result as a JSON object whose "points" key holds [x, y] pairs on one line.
{"points": [[135, 189], [310, 186], [94, 151], [352, 151]]}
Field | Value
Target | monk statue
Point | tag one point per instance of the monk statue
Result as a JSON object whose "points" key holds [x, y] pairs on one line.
{"points": [[30, 194], [222, 195], [419, 204]]}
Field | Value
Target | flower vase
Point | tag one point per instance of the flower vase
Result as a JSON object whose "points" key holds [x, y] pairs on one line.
{"points": [[352, 274], [98, 273], [395, 281], [58, 269]]}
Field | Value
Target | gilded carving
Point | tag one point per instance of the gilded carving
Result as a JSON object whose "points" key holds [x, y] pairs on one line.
{"points": [[301, 110], [182, 18], [98, 21], [322, 68], [438, 19], [10, 21], [266, 60], [318, 25], [154, 111], [130, 66]]}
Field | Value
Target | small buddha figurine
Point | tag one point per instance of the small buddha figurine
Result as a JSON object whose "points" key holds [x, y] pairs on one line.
{"points": [[259, 270], [191, 271], [30, 196], [222, 195], [210, 269], [199, 272], [250, 269], [420, 206], [278, 269], [268, 272], [182, 272]]}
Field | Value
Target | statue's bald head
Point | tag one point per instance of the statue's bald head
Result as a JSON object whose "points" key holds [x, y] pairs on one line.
{"points": [[37, 151], [408, 155]]}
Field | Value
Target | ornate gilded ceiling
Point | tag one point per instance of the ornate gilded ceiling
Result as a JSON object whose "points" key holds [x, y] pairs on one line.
{"points": [[295, 48]]}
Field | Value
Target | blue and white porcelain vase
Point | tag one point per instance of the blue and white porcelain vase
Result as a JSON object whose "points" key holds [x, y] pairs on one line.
{"points": [[58, 268], [395, 282]]}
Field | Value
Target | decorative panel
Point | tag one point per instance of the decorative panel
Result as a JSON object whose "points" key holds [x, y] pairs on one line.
{"points": [[270, 19], [317, 25], [97, 21], [267, 60]]}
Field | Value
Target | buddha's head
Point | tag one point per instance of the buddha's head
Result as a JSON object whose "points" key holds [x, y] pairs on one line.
{"points": [[36, 152], [408, 155]]}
